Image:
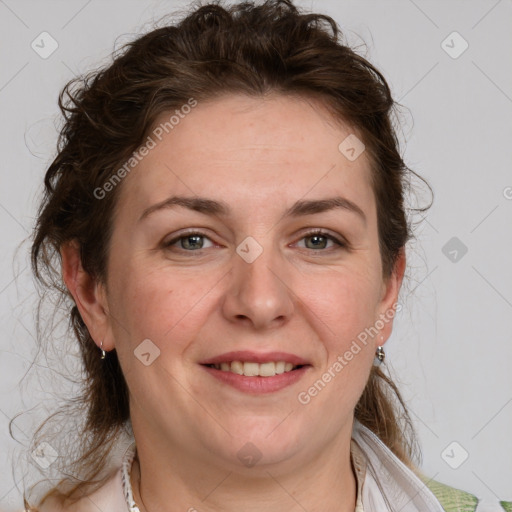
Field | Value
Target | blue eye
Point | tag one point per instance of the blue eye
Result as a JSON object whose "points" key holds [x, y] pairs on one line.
{"points": [[319, 235], [191, 242], [189, 239]]}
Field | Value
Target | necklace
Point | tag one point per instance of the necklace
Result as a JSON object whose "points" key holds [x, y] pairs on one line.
{"points": [[125, 477]]}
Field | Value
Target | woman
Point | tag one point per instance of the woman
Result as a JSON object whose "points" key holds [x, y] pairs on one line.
{"points": [[227, 205]]}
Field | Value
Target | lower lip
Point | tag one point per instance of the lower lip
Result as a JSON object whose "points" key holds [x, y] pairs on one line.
{"points": [[258, 385]]}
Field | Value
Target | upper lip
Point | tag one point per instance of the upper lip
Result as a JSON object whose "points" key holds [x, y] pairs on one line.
{"points": [[256, 357]]}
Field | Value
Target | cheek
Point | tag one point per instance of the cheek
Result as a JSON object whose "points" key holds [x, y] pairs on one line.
{"points": [[344, 308], [155, 306], [167, 306], [345, 302]]}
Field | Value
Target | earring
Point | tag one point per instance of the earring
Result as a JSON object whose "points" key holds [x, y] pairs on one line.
{"points": [[380, 355], [103, 354]]}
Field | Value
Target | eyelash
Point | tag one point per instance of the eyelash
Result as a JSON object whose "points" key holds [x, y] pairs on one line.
{"points": [[315, 232]]}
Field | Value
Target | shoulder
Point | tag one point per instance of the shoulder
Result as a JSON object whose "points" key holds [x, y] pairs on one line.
{"points": [[108, 497], [457, 500]]}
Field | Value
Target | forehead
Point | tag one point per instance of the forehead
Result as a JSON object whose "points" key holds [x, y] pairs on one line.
{"points": [[257, 148]]}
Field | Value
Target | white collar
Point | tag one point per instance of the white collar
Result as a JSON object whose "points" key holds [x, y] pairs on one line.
{"points": [[389, 485]]}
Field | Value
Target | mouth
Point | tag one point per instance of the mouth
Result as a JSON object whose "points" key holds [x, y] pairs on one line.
{"points": [[256, 372], [254, 369]]}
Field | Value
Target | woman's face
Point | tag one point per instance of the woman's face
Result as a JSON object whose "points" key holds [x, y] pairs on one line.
{"points": [[201, 284]]}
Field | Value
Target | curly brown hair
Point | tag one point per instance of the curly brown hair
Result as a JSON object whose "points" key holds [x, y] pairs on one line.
{"points": [[245, 48]]}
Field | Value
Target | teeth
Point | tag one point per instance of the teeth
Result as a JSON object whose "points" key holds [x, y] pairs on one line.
{"points": [[250, 369], [280, 366], [237, 367]]}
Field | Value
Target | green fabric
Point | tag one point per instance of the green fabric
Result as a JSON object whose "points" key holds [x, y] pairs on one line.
{"points": [[455, 500], [451, 499]]}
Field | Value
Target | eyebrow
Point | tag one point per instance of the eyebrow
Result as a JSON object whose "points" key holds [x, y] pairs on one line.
{"points": [[219, 208]]}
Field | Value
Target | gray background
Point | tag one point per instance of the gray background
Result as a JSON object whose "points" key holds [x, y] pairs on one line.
{"points": [[451, 350]]}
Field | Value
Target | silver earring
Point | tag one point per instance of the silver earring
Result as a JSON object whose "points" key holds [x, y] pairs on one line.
{"points": [[380, 355], [103, 354]]}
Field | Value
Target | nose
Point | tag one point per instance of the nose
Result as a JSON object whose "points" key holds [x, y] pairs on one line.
{"points": [[259, 293]]}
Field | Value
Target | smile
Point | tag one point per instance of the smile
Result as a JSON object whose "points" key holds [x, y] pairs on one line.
{"points": [[252, 369], [260, 378]]}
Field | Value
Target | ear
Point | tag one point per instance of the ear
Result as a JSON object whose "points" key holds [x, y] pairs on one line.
{"points": [[89, 295], [390, 290]]}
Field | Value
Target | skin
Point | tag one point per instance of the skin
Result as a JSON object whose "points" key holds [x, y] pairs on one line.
{"points": [[259, 155]]}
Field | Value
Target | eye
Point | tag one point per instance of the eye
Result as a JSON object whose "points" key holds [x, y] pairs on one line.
{"points": [[319, 239], [193, 241], [190, 242]]}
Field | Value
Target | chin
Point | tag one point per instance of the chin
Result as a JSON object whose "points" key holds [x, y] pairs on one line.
{"points": [[272, 438]]}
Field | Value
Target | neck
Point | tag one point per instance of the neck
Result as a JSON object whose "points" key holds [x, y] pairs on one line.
{"points": [[160, 484]]}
